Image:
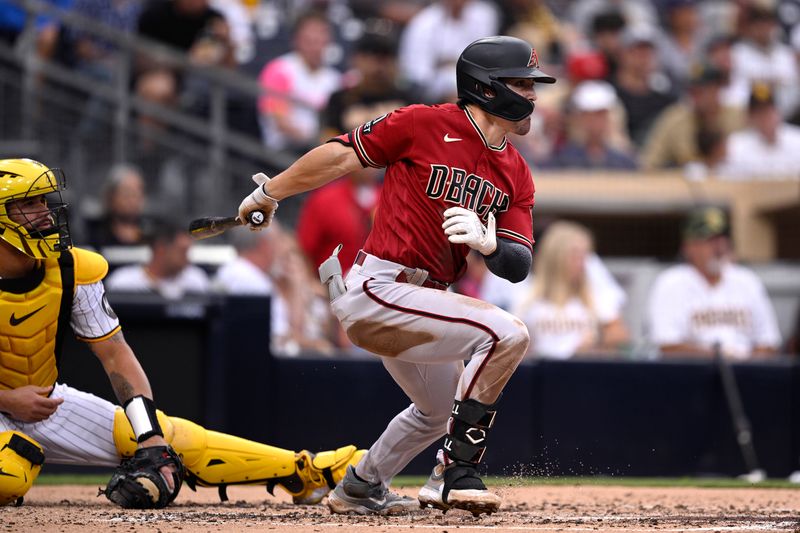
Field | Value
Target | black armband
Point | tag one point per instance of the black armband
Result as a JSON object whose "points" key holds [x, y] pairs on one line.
{"points": [[511, 260], [141, 412]]}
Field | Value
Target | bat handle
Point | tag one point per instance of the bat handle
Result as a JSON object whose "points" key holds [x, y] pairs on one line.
{"points": [[256, 218]]}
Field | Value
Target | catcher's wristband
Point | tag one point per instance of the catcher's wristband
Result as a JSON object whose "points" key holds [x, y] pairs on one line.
{"points": [[141, 412]]}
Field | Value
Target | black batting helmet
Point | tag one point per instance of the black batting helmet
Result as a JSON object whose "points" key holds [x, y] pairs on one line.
{"points": [[484, 63]]}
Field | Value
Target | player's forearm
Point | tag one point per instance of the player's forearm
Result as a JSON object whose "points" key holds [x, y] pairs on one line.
{"points": [[123, 369], [314, 169]]}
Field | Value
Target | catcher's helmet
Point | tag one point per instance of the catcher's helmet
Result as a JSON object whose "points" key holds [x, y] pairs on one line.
{"points": [[38, 234], [484, 63]]}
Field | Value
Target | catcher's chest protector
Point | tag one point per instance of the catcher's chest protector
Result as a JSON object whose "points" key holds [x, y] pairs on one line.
{"points": [[29, 322]]}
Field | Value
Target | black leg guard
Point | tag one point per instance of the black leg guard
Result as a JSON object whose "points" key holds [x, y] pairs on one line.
{"points": [[465, 444]]}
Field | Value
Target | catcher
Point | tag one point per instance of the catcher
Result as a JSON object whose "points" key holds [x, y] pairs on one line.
{"points": [[46, 286]]}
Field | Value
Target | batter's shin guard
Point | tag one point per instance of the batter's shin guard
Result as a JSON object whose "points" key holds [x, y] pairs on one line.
{"points": [[469, 422]]}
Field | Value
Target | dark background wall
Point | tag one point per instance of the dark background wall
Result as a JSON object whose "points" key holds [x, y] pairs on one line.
{"points": [[208, 360]]}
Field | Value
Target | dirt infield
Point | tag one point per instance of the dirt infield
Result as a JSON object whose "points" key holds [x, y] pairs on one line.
{"points": [[546, 508]]}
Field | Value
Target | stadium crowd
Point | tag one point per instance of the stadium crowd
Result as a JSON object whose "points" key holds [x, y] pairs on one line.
{"points": [[707, 87]]}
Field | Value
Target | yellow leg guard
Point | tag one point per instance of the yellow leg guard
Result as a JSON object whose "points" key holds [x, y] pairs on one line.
{"points": [[21, 459], [214, 459]]}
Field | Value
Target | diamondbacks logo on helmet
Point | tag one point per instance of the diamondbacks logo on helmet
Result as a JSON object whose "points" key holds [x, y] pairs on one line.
{"points": [[534, 60]]}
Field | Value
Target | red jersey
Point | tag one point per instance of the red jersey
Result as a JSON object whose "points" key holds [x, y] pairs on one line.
{"points": [[436, 157], [330, 216]]}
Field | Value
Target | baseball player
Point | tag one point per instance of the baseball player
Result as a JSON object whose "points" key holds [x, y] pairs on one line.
{"points": [[453, 183], [46, 287]]}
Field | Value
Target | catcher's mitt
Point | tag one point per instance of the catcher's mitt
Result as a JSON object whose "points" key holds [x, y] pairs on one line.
{"points": [[137, 482]]}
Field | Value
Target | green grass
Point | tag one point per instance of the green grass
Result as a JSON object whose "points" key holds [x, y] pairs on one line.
{"points": [[408, 481]]}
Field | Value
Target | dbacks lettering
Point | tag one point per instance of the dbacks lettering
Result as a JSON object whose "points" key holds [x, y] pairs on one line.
{"points": [[466, 190]]}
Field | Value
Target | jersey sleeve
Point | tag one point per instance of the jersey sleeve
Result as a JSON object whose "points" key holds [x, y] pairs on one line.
{"points": [[92, 318], [516, 223], [382, 140]]}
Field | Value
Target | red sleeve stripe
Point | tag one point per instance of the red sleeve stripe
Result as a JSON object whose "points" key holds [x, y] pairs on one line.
{"points": [[362, 154], [514, 236]]}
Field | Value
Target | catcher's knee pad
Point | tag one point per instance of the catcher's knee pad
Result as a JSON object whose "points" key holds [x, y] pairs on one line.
{"points": [[21, 459]]}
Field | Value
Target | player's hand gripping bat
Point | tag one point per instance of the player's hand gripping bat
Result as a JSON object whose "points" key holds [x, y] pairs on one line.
{"points": [[206, 227]]}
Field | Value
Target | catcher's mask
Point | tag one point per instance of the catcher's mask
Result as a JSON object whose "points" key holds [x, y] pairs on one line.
{"points": [[486, 63], [33, 216]]}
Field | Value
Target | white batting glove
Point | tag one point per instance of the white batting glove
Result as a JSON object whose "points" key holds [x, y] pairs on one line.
{"points": [[463, 226], [258, 200]]}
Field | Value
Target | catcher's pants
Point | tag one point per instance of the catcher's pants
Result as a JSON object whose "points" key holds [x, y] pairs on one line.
{"points": [[424, 335], [80, 432]]}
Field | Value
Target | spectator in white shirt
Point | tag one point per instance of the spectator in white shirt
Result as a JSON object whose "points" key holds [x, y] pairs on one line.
{"points": [[435, 37], [762, 58], [709, 301], [768, 148], [564, 313], [249, 274], [168, 271]]}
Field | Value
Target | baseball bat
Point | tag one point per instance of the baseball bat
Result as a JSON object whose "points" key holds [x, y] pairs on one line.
{"points": [[741, 423], [207, 227]]}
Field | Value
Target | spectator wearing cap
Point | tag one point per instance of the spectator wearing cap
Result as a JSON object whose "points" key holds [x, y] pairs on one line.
{"points": [[762, 58], [640, 83], [709, 301], [673, 139], [768, 148], [589, 148]]}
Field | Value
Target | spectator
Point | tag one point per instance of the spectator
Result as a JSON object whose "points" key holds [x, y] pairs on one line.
{"points": [[719, 55], [373, 88], [168, 272], [250, 274], [634, 12], [123, 221], [681, 42], [297, 86], [709, 300], [768, 148], [641, 86], [562, 311], [433, 40], [312, 326], [606, 37], [190, 26], [673, 139], [592, 103], [94, 55], [339, 213], [762, 58]]}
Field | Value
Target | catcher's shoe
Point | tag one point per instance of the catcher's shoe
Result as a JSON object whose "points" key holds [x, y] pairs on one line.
{"points": [[458, 486], [321, 472], [356, 496]]}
